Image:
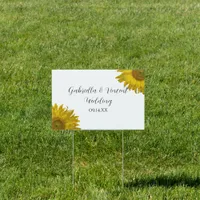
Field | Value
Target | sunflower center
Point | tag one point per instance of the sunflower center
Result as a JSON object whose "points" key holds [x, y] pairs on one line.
{"points": [[58, 124], [138, 74]]}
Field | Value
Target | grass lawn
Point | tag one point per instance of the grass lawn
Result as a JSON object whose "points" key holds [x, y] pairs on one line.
{"points": [[160, 36]]}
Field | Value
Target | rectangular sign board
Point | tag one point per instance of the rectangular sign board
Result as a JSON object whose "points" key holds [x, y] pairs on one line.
{"points": [[97, 99]]}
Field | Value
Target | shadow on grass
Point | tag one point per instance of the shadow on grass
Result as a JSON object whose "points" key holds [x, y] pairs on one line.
{"points": [[165, 181]]}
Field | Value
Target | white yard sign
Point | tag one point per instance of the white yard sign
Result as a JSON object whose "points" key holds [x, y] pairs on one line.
{"points": [[97, 99]]}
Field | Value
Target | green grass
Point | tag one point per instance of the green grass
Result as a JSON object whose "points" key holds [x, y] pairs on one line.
{"points": [[162, 37]]}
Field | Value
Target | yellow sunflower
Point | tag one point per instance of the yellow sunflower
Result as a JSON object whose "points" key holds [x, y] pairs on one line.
{"points": [[62, 118], [133, 79]]}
